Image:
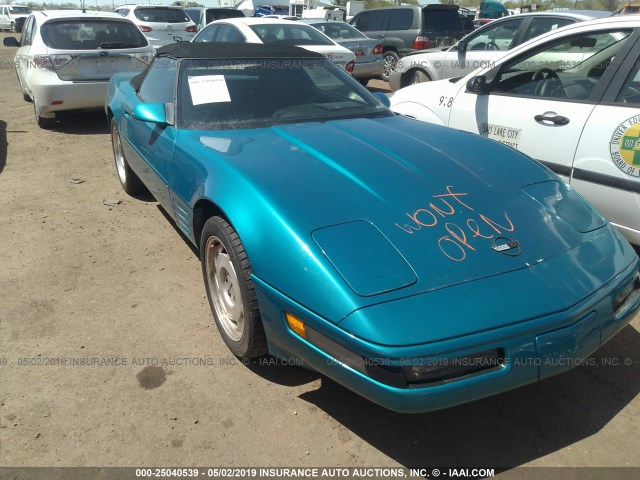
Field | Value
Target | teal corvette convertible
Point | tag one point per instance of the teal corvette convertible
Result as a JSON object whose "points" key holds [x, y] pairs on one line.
{"points": [[419, 266]]}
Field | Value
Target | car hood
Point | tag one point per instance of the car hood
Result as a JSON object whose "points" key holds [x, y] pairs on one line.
{"points": [[419, 59], [417, 206], [426, 95]]}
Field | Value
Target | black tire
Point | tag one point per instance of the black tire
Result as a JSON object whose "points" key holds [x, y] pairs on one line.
{"points": [[390, 62], [13, 27], [227, 278], [417, 76], [130, 182], [42, 122]]}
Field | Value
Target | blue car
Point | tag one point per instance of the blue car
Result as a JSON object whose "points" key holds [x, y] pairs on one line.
{"points": [[419, 266]]}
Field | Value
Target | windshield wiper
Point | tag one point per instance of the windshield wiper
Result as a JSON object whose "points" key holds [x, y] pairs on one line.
{"points": [[336, 106]]}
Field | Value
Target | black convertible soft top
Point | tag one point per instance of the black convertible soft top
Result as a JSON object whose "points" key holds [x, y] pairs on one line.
{"points": [[221, 51], [215, 51]]}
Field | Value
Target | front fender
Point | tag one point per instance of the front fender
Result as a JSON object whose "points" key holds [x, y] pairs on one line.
{"points": [[418, 112], [282, 254]]}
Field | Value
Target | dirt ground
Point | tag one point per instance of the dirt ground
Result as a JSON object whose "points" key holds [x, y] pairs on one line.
{"points": [[90, 284]]}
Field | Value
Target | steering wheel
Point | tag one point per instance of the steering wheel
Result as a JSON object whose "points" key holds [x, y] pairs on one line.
{"points": [[549, 83], [491, 46], [631, 95]]}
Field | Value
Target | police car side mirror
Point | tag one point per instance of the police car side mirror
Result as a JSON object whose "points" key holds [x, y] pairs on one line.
{"points": [[478, 85]]}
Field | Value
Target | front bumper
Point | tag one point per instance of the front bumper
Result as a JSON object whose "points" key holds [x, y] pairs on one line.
{"points": [[395, 80], [531, 350]]}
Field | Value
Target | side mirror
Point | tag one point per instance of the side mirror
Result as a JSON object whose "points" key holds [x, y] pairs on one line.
{"points": [[462, 45], [150, 112], [10, 42], [383, 98], [478, 85]]}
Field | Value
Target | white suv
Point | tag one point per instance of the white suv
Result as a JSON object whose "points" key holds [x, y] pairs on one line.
{"points": [[65, 59], [162, 25], [12, 17]]}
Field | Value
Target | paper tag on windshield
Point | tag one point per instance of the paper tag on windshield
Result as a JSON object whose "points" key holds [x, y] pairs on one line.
{"points": [[208, 89]]}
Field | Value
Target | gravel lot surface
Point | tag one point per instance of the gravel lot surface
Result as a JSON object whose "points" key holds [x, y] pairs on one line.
{"points": [[88, 284]]}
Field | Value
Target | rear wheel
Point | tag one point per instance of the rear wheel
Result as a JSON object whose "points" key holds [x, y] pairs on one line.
{"points": [[418, 76], [128, 179], [390, 62], [231, 293]]}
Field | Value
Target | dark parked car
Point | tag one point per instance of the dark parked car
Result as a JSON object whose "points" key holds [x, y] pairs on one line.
{"points": [[407, 28], [467, 23]]}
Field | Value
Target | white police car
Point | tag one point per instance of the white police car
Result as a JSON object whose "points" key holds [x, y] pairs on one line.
{"points": [[570, 99], [483, 46]]}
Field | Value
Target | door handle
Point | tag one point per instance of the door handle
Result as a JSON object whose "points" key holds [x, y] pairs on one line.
{"points": [[381, 36], [550, 117]]}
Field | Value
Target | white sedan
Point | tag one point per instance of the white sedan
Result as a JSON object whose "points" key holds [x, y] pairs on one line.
{"points": [[277, 32], [570, 99]]}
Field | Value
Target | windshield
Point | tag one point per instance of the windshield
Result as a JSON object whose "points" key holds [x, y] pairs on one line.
{"points": [[294, 34], [442, 20], [339, 30], [18, 10], [195, 14], [250, 93], [222, 13], [159, 14], [92, 34]]}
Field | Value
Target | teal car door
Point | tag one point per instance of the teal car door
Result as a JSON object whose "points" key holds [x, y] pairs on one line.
{"points": [[151, 144]]}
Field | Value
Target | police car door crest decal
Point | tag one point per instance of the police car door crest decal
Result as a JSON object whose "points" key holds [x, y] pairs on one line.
{"points": [[625, 146]]}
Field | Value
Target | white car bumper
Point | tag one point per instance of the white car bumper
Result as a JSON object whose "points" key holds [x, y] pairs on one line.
{"points": [[54, 95]]}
